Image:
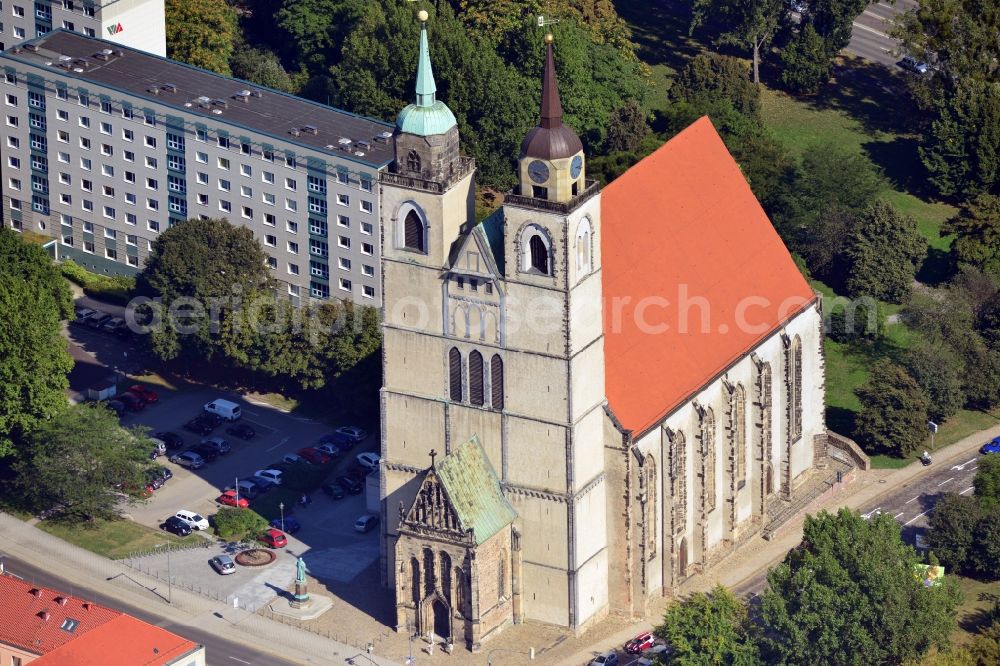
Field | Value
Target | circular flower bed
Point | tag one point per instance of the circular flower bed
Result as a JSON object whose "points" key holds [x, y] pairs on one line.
{"points": [[255, 557]]}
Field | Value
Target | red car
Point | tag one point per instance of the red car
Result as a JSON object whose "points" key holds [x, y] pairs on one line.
{"points": [[314, 455], [640, 643], [148, 396], [229, 499], [274, 538]]}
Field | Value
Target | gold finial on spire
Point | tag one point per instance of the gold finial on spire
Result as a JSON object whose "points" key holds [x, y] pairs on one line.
{"points": [[423, 15], [549, 38]]}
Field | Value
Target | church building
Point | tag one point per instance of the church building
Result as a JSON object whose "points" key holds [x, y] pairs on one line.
{"points": [[591, 395]]}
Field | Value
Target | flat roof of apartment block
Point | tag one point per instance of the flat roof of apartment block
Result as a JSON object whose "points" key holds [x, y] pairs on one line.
{"points": [[218, 98]]}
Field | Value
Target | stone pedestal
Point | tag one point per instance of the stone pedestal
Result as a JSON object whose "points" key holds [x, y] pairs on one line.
{"points": [[301, 597]]}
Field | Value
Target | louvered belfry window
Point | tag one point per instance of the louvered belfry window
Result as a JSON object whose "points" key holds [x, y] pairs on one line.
{"points": [[496, 382], [476, 378], [413, 230], [539, 254], [455, 374]]}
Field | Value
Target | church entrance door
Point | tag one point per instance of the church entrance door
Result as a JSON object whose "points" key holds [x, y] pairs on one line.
{"points": [[442, 621]]}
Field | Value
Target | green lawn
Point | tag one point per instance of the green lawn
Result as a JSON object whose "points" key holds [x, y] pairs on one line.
{"points": [[114, 538], [979, 598]]}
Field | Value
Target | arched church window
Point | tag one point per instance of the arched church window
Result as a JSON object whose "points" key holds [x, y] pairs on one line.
{"points": [[738, 411], [413, 232], [455, 374], [415, 579], [446, 576], [651, 495], [429, 581], [679, 473], [539, 254], [502, 576], [708, 457], [459, 591], [496, 382], [794, 382], [476, 378], [413, 161], [583, 248]]}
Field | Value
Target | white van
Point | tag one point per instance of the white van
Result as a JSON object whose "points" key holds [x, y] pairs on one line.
{"points": [[224, 409]]}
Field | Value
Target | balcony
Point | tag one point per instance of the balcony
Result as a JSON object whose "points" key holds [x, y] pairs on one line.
{"points": [[465, 165], [561, 207]]}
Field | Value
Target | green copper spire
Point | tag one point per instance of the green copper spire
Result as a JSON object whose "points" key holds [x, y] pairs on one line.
{"points": [[428, 116], [425, 74]]}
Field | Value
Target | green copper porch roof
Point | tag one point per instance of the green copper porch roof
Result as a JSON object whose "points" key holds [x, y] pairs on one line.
{"points": [[474, 490], [428, 116]]}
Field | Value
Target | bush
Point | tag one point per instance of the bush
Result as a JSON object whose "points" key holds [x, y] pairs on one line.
{"points": [[111, 288], [234, 524], [865, 323]]}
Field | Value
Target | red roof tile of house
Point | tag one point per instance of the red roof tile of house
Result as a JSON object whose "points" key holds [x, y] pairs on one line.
{"points": [[39, 620], [683, 225], [124, 640]]}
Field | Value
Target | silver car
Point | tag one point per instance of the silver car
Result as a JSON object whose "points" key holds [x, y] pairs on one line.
{"points": [[220, 445], [223, 564]]}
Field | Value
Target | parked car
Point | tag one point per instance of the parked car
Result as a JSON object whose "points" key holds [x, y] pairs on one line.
{"points": [[640, 643], [206, 451], [159, 446], [224, 409], [334, 490], [912, 64], [117, 406], [113, 325], [177, 526], [992, 446], [339, 440], [249, 489], [82, 315], [189, 459], [353, 434], [98, 319], [609, 658], [330, 449], [314, 455], [368, 460], [223, 564], [200, 425], [350, 485], [365, 523], [272, 476], [230, 498], [155, 482], [220, 445], [194, 520], [289, 525], [160, 472], [172, 440], [148, 396], [274, 538], [131, 401], [242, 430]]}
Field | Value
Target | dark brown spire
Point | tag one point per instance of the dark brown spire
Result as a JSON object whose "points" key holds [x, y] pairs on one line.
{"points": [[551, 106]]}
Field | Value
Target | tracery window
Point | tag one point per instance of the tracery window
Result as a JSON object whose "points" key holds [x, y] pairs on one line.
{"points": [[708, 457], [413, 161]]}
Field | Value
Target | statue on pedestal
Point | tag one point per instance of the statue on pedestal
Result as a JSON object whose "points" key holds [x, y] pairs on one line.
{"points": [[301, 597]]}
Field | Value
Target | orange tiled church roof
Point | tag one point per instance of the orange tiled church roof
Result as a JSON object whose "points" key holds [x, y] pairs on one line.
{"points": [[684, 221]]}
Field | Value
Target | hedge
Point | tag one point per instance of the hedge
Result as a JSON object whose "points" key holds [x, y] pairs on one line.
{"points": [[111, 288]]}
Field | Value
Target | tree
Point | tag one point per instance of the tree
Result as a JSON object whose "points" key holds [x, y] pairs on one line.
{"points": [[848, 594], [858, 322], [76, 460], [235, 524], [977, 234], [806, 62], [708, 628], [833, 21], [202, 33], [626, 128], [952, 524], [882, 254], [710, 78], [987, 482], [260, 67], [937, 369], [984, 557], [34, 362], [318, 28], [743, 23], [958, 36], [212, 265], [893, 417]]}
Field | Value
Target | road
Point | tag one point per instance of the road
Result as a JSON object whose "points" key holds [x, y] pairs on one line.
{"points": [[910, 505], [219, 651], [870, 38]]}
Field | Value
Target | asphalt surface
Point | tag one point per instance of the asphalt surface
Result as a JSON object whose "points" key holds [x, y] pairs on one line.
{"points": [[219, 651], [910, 505], [870, 38]]}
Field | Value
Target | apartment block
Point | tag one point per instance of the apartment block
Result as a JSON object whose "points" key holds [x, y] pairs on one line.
{"points": [[135, 23], [104, 147]]}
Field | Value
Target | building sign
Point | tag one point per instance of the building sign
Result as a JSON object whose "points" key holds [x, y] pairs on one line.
{"points": [[930, 576], [115, 29]]}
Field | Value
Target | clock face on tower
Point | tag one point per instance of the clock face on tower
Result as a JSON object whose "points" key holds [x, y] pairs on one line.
{"points": [[575, 167], [538, 171]]}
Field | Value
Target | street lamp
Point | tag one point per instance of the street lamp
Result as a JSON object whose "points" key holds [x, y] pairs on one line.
{"points": [[170, 594], [281, 508]]}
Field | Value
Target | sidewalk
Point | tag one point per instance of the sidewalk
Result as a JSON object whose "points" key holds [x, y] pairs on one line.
{"points": [[758, 555], [109, 577]]}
